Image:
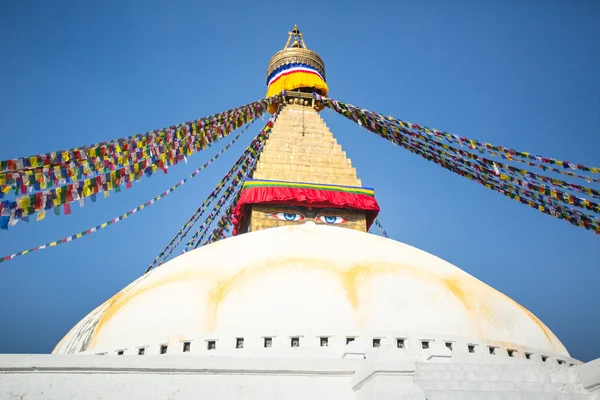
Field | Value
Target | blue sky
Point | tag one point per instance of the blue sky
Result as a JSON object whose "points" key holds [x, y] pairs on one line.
{"points": [[519, 74]]}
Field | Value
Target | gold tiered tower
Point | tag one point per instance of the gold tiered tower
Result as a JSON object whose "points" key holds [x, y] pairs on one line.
{"points": [[301, 148]]}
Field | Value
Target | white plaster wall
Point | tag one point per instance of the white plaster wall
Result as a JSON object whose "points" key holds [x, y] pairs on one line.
{"points": [[172, 386], [589, 376], [106, 378], [383, 375]]}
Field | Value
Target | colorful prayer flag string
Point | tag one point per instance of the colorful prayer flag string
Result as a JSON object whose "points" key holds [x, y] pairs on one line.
{"points": [[471, 143], [127, 214], [247, 159], [234, 190], [524, 196], [494, 175], [581, 219], [225, 222], [508, 173], [165, 155], [383, 232], [91, 187], [207, 202], [117, 146]]}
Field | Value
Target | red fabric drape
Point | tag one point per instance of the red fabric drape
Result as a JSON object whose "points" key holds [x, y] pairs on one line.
{"points": [[302, 197]]}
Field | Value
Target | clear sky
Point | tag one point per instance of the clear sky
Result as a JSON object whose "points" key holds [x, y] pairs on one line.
{"points": [[518, 74]]}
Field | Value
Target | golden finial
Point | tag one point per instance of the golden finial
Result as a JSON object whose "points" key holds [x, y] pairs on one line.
{"points": [[295, 51], [298, 39]]}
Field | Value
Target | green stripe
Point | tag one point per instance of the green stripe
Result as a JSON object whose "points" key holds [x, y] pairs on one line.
{"points": [[307, 185], [254, 184]]}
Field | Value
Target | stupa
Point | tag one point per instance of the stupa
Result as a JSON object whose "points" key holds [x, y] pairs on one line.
{"points": [[303, 302]]}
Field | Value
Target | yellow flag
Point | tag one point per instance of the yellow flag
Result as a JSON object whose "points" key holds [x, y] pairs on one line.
{"points": [[23, 202], [41, 215]]}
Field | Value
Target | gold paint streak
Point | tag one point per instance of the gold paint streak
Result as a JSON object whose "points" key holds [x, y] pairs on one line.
{"points": [[121, 299], [215, 296], [100, 312], [545, 330], [454, 286], [349, 279], [476, 309], [540, 324], [106, 315]]}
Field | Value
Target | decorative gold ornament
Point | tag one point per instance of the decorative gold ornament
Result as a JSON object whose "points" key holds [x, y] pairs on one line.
{"points": [[297, 52]]}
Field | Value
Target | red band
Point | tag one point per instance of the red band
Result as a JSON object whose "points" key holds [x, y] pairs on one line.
{"points": [[302, 197]]}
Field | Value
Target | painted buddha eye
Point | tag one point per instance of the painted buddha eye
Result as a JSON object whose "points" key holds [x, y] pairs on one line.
{"points": [[288, 216], [331, 219]]}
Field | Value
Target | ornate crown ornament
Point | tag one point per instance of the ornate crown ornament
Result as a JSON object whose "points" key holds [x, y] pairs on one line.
{"points": [[295, 51]]}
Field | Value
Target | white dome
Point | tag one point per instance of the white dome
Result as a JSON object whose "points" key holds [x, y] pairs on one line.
{"points": [[307, 281]]}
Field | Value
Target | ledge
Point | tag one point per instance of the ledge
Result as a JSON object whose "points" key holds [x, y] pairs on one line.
{"points": [[16, 363]]}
